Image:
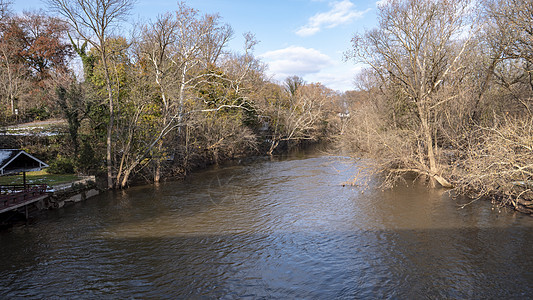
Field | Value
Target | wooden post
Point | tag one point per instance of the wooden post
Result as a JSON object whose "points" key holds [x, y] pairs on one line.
{"points": [[24, 179]]}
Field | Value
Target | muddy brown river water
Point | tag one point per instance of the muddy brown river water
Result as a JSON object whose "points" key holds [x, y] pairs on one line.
{"points": [[275, 229]]}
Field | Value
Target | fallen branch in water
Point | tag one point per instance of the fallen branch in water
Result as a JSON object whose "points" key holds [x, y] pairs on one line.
{"points": [[441, 180], [465, 205]]}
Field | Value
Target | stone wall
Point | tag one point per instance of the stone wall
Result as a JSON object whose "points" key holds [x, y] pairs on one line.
{"points": [[73, 192]]}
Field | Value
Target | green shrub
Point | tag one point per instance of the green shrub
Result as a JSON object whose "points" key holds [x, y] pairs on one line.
{"points": [[37, 113], [87, 162], [61, 165]]}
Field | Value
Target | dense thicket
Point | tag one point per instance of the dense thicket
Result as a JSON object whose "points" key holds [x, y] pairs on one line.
{"points": [[154, 105], [448, 96]]}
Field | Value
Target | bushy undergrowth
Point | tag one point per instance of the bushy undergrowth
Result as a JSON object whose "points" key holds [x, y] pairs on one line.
{"points": [[61, 165]]}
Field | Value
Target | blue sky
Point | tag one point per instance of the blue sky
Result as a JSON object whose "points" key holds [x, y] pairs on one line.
{"points": [[297, 37]]}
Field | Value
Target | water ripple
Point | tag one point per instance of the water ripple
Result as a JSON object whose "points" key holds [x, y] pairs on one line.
{"points": [[271, 229]]}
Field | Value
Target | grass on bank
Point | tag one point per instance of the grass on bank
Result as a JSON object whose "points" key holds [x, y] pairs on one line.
{"points": [[39, 177]]}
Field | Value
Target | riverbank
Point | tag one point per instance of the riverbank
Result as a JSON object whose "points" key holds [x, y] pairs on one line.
{"points": [[493, 161], [75, 191]]}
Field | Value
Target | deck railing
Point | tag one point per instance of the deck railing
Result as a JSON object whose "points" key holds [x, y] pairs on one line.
{"points": [[11, 195]]}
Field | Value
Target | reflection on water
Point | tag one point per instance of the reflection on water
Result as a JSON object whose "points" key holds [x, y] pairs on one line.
{"points": [[270, 229]]}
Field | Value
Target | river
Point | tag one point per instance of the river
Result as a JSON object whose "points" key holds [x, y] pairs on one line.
{"points": [[279, 229]]}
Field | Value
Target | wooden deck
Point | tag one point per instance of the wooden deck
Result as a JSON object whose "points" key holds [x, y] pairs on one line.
{"points": [[15, 196]]}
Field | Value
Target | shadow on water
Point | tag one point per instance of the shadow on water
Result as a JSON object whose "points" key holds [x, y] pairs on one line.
{"points": [[271, 229], [449, 263]]}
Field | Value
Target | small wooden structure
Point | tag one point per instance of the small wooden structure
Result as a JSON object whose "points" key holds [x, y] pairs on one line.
{"points": [[14, 161]]}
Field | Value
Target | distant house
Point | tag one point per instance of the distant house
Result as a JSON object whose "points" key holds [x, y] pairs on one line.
{"points": [[15, 161]]}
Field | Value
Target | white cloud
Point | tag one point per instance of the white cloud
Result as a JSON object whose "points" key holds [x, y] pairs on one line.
{"points": [[382, 2], [342, 12], [340, 78], [312, 65], [295, 61]]}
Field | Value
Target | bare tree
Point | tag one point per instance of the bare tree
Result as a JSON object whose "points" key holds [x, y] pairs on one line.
{"points": [[13, 73], [511, 27], [293, 83], [497, 160], [179, 55], [156, 43], [93, 20], [513, 19], [5, 9], [415, 51], [178, 46], [298, 118]]}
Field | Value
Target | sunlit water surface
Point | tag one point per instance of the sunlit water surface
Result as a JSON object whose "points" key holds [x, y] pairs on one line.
{"points": [[271, 229]]}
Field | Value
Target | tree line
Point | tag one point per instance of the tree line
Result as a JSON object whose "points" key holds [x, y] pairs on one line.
{"points": [[155, 104], [447, 96]]}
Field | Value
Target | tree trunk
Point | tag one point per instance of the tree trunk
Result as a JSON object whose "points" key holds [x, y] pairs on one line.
{"points": [[12, 100], [273, 145], [428, 139], [181, 97], [125, 177], [110, 125], [157, 173]]}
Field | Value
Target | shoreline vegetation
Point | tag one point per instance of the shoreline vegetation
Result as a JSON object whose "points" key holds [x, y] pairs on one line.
{"points": [[159, 104], [446, 96]]}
